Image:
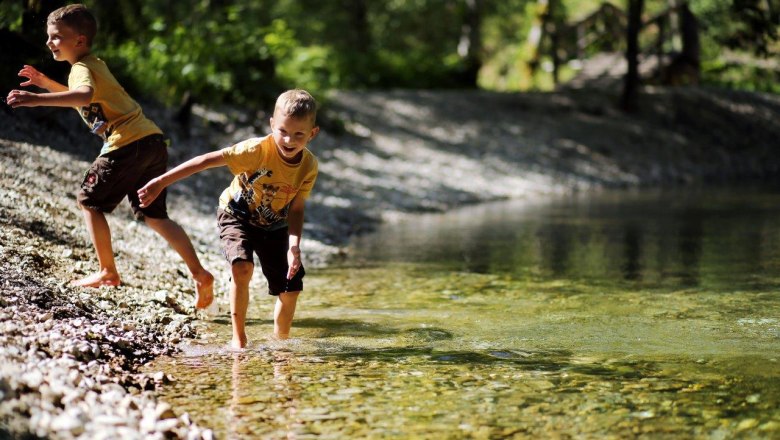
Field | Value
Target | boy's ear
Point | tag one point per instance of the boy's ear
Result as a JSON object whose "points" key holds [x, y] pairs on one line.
{"points": [[314, 132], [81, 40]]}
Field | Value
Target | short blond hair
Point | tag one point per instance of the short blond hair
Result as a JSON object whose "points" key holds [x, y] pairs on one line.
{"points": [[297, 103], [76, 17]]}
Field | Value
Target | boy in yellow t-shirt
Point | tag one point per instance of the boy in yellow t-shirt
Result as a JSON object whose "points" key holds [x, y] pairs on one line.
{"points": [[134, 149], [262, 210]]}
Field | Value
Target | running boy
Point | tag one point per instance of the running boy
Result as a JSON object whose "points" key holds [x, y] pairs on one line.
{"points": [[133, 152], [262, 210]]}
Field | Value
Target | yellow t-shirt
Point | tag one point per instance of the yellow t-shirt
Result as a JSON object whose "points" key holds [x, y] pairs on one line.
{"points": [[113, 114], [264, 184]]}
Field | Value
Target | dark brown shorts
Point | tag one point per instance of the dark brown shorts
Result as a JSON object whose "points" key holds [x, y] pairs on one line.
{"points": [[240, 241], [121, 173]]}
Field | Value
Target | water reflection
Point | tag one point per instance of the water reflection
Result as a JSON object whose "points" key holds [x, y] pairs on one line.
{"points": [[687, 239], [690, 237], [632, 254], [555, 255], [237, 399]]}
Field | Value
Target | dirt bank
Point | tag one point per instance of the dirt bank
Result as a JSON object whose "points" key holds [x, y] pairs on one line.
{"points": [[69, 358]]}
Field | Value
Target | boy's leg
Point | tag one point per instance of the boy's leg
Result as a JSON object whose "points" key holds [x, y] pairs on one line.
{"points": [[100, 233], [180, 242], [273, 260], [239, 300], [101, 190], [151, 161], [283, 313]]}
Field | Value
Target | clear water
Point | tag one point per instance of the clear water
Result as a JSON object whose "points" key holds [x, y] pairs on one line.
{"points": [[615, 315]]}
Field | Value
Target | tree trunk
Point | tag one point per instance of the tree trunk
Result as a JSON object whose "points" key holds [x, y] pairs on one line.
{"points": [[536, 34], [552, 30], [471, 42], [359, 34], [674, 25], [659, 46], [630, 100], [689, 30]]}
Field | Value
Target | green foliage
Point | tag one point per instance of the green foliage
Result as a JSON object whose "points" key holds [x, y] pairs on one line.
{"points": [[309, 67], [183, 50], [246, 52], [507, 52], [11, 15], [399, 43], [735, 36], [745, 74], [240, 52], [747, 25]]}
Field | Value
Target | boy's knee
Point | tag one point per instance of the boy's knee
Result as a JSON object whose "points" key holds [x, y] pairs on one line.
{"points": [[288, 299], [151, 221], [242, 270], [90, 210], [289, 296]]}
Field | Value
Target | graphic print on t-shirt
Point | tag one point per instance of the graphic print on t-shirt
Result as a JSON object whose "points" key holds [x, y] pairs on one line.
{"points": [[255, 200], [96, 119]]}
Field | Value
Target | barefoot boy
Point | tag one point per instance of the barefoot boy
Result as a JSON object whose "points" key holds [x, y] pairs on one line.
{"points": [[262, 210], [133, 152]]}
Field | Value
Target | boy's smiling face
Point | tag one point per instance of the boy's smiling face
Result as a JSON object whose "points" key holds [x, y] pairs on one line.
{"points": [[292, 135], [65, 43]]}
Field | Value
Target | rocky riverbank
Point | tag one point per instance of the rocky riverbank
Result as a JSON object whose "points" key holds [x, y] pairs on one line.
{"points": [[70, 358]]}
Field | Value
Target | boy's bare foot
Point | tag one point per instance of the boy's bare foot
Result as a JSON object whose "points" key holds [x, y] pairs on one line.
{"points": [[98, 279], [204, 286], [238, 344]]}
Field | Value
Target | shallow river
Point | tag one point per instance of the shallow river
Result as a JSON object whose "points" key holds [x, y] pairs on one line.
{"points": [[614, 315]]}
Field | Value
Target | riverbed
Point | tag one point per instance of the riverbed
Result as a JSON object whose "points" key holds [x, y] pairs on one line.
{"points": [[603, 315]]}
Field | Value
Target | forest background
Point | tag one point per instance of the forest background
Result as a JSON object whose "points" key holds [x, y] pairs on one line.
{"points": [[244, 53]]}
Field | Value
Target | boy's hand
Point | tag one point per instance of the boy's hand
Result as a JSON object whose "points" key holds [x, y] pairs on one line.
{"points": [[34, 77], [20, 98], [293, 261], [149, 192]]}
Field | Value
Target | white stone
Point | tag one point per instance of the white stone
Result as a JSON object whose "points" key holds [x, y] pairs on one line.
{"points": [[67, 422]]}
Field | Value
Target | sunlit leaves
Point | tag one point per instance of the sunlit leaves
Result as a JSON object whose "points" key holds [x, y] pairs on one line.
{"points": [[246, 52]]}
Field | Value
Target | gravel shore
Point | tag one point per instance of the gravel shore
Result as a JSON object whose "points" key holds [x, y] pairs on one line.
{"points": [[70, 357]]}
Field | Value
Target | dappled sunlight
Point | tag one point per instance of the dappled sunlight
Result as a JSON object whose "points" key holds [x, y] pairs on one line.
{"points": [[471, 270]]}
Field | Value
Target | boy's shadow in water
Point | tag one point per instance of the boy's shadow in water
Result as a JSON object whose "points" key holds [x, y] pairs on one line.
{"points": [[327, 327], [425, 343]]}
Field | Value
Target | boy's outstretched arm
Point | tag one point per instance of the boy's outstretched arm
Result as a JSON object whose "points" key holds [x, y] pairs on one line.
{"points": [[38, 79], [154, 187], [58, 94], [71, 98], [295, 230]]}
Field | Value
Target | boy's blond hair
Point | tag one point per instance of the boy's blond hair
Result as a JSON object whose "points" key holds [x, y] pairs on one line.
{"points": [[76, 17], [297, 103]]}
